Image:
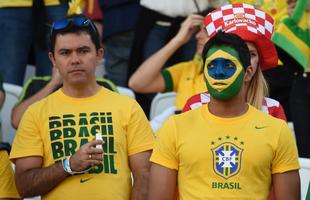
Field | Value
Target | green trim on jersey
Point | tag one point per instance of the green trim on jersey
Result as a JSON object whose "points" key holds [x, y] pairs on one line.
{"points": [[168, 80]]}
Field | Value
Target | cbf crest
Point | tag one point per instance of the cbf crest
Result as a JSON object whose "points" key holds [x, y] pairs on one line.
{"points": [[227, 159]]}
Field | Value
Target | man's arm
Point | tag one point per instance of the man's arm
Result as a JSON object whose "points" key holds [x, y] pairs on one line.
{"points": [[19, 109], [286, 185], [140, 167], [147, 78], [162, 183], [33, 180]]}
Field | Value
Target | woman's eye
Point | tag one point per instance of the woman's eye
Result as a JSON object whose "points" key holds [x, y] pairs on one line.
{"points": [[253, 55]]}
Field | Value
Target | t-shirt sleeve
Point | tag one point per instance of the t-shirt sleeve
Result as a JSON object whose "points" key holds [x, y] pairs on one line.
{"points": [[140, 136], [7, 186], [165, 150], [172, 76], [27, 141], [286, 154]]}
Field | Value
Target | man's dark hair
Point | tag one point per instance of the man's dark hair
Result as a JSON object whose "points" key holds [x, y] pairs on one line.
{"points": [[72, 28], [232, 40]]}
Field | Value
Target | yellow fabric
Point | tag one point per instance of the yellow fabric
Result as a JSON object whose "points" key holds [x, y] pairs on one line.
{"points": [[229, 81], [277, 9], [300, 44], [25, 3], [76, 7], [187, 143], [60, 122], [187, 81], [7, 186]]}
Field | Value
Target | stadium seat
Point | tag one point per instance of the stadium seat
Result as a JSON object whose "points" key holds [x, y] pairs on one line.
{"points": [[126, 91], [12, 93], [161, 102], [304, 177]]}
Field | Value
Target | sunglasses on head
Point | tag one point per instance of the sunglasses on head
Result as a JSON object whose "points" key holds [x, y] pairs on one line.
{"points": [[79, 21]]}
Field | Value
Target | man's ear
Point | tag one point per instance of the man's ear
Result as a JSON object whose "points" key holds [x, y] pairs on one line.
{"points": [[100, 54], [249, 73], [51, 57]]}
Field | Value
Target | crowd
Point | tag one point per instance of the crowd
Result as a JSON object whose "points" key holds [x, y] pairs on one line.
{"points": [[240, 71]]}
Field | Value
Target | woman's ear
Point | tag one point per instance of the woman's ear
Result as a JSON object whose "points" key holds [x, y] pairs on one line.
{"points": [[249, 73]]}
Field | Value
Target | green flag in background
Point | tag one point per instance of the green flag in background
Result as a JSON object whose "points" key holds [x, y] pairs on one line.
{"points": [[293, 34]]}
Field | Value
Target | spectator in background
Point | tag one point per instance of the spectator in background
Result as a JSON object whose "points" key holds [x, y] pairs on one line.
{"points": [[293, 40], [158, 23], [120, 17], [279, 79], [185, 78], [55, 138], [24, 24]]}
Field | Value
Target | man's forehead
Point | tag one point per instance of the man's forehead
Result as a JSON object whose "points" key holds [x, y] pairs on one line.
{"points": [[73, 40], [225, 48]]}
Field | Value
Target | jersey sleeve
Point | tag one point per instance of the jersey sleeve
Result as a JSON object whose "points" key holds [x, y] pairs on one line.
{"points": [[172, 76], [140, 136], [164, 151], [286, 154], [28, 141]]}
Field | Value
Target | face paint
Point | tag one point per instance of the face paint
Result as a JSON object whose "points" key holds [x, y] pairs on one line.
{"points": [[223, 72]]}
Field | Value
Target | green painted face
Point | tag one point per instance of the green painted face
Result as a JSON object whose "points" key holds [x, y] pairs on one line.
{"points": [[223, 72]]}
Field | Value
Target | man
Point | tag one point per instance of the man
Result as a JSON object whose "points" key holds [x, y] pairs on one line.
{"points": [[55, 138], [225, 149], [184, 78]]}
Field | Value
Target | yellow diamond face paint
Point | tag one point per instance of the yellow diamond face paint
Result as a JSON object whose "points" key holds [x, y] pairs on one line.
{"points": [[217, 83], [223, 72]]}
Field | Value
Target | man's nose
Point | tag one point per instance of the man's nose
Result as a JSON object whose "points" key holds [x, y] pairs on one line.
{"points": [[75, 59], [219, 72]]}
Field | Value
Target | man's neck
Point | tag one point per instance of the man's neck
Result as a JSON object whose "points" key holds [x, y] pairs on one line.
{"points": [[234, 107], [81, 90]]}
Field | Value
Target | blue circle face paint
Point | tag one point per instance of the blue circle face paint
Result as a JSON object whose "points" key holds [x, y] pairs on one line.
{"points": [[221, 68]]}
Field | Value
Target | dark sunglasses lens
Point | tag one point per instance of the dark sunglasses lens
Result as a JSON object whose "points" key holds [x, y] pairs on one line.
{"points": [[60, 24], [80, 21]]}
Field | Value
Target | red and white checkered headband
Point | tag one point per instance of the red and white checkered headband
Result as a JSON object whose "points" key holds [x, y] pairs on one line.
{"points": [[250, 23]]}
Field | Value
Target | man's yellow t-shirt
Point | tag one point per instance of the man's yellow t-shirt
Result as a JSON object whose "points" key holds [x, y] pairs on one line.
{"points": [[225, 158], [58, 125]]}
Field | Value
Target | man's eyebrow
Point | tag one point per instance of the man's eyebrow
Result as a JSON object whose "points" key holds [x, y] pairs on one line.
{"points": [[64, 49], [83, 47]]}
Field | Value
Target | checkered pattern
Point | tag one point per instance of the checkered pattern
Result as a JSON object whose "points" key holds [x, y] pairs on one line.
{"points": [[232, 17], [269, 106]]}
